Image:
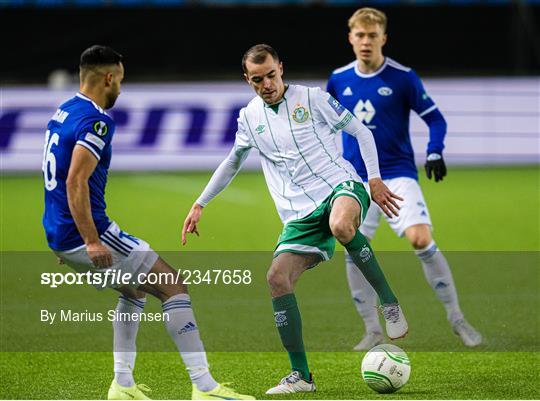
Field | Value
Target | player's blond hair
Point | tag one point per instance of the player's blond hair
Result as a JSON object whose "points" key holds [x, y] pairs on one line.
{"points": [[368, 16]]}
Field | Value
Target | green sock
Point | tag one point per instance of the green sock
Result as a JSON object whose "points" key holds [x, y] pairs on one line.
{"points": [[289, 325], [364, 258]]}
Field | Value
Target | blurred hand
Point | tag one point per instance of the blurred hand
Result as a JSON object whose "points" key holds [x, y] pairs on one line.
{"points": [[100, 255], [190, 223], [435, 166], [383, 197]]}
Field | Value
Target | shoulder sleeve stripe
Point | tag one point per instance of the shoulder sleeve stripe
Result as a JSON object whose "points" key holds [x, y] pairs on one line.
{"points": [[398, 66], [344, 68], [422, 114], [87, 146]]}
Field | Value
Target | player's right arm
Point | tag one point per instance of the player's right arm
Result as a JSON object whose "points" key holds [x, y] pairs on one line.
{"points": [[83, 163], [221, 178]]}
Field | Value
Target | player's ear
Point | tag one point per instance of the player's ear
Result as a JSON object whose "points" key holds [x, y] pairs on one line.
{"points": [[246, 78], [385, 36], [350, 37], [108, 78], [280, 69]]}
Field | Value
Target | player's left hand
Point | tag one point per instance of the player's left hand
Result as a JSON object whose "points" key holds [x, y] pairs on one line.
{"points": [[435, 165], [190, 223], [383, 197]]}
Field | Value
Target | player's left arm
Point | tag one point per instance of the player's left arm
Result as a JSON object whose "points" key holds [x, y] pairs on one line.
{"points": [[340, 118], [426, 108], [83, 164]]}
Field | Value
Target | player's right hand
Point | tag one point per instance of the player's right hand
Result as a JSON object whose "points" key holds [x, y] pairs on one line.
{"points": [[100, 255], [190, 223]]}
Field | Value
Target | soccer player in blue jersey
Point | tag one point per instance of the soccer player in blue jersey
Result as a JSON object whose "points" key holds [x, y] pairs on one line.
{"points": [[76, 161], [382, 93]]}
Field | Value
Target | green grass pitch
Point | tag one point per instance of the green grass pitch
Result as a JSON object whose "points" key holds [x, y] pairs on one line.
{"points": [[486, 219]]}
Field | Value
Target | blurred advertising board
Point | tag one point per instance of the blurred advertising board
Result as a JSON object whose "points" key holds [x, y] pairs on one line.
{"points": [[191, 126]]}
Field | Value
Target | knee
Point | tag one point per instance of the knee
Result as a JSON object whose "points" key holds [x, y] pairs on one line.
{"points": [[420, 240], [279, 282], [344, 231]]}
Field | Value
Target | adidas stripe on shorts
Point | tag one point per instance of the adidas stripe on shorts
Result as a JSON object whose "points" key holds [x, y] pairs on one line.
{"points": [[130, 255]]}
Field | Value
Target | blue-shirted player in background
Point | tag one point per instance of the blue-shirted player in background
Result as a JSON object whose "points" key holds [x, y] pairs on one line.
{"points": [[76, 161], [382, 92]]}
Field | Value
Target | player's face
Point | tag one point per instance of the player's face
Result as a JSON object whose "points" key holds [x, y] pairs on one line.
{"points": [[266, 79], [114, 81], [367, 41]]}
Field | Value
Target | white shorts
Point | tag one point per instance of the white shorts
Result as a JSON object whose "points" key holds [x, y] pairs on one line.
{"points": [[413, 208], [130, 255]]}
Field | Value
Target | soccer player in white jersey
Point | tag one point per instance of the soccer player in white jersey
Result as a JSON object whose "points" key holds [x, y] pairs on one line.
{"points": [[317, 194], [382, 93], [75, 166]]}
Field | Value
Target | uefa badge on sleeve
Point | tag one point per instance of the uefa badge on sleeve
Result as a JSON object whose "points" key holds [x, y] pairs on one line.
{"points": [[100, 128]]}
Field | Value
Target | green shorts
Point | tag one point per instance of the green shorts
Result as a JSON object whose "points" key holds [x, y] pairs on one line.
{"points": [[312, 234]]}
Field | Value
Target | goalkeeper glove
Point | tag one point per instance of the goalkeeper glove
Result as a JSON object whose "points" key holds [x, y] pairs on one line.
{"points": [[435, 165]]}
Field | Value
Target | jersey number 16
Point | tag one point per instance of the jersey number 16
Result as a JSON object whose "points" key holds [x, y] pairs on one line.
{"points": [[49, 161]]}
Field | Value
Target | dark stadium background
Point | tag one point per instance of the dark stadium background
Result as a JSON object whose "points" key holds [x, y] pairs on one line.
{"points": [[196, 41]]}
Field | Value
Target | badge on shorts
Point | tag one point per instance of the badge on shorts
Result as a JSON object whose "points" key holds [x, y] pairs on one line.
{"points": [[300, 114], [100, 128]]}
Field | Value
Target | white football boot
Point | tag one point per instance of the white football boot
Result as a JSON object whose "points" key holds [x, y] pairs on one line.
{"points": [[293, 383], [396, 325], [468, 334], [369, 341]]}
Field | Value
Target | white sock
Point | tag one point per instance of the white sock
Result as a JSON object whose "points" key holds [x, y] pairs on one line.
{"points": [[439, 277], [125, 334], [183, 329], [364, 296]]}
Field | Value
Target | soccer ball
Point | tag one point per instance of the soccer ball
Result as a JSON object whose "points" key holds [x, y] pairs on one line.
{"points": [[386, 368]]}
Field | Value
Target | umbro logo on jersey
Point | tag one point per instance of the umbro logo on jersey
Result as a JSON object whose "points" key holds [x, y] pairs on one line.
{"points": [[364, 111], [384, 91], [347, 91], [101, 128], [260, 129]]}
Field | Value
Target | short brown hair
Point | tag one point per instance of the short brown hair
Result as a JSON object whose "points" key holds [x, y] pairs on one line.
{"points": [[257, 54], [368, 15]]}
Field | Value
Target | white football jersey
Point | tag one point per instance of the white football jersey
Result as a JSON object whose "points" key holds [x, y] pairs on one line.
{"points": [[299, 155]]}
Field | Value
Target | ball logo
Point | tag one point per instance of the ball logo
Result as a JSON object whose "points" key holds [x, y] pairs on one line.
{"points": [[384, 91], [300, 114], [100, 128]]}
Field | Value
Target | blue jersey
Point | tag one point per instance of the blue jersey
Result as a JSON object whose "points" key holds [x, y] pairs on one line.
{"points": [[383, 101], [79, 121]]}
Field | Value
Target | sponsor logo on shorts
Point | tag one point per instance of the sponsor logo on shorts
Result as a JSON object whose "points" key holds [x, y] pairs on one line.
{"points": [[280, 318]]}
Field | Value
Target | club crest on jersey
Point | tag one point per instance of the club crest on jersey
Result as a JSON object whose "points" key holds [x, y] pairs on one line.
{"points": [[260, 129], [101, 128], [384, 91], [300, 114]]}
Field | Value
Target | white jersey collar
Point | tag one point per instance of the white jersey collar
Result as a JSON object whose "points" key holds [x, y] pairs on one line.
{"points": [[80, 95], [370, 75]]}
